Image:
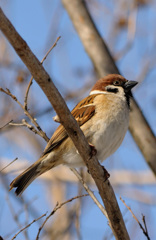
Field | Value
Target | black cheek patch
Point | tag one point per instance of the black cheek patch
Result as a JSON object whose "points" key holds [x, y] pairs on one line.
{"points": [[113, 90]]}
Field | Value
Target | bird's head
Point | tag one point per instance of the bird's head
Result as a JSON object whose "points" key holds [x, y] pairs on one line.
{"points": [[114, 84]]}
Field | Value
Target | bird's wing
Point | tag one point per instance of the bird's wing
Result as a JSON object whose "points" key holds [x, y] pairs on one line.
{"points": [[83, 111]]}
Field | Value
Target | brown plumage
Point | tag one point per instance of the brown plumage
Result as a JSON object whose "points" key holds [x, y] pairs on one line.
{"points": [[103, 117]]}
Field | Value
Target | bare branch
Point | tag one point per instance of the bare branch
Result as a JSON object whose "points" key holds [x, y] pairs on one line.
{"points": [[40, 131], [35, 220], [78, 207], [26, 94], [89, 192], [145, 232], [8, 164], [54, 45], [30, 82], [14, 215], [58, 206], [26, 124], [6, 124]]}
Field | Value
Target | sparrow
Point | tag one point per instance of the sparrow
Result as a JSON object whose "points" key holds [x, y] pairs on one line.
{"points": [[103, 117]]}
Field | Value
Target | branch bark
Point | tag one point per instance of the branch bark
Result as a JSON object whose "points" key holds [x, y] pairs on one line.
{"points": [[70, 124], [104, 64]]}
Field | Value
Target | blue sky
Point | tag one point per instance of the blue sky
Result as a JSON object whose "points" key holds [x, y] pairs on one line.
{"points": [[40, 23]]}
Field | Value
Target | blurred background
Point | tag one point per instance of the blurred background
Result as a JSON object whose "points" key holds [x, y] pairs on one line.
{"points": [[128, 27]]}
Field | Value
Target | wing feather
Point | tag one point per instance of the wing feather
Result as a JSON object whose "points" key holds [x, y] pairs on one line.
{"points": [[83, 111]]}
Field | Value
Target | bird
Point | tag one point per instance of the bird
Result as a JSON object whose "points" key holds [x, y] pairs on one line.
{"points": [[103, 116]]}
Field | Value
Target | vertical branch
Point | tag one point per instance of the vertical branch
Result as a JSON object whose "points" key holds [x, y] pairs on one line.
{"points": [[104, 64]]}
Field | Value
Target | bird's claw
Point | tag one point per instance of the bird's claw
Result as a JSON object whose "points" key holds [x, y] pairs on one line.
{"points": [[93, 150], [106, 173]]}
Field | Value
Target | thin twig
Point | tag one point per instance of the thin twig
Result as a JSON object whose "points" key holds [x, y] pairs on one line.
{"points": [[144, 222], [78, 209], [6, 124], [26, 94], [145, 232], [58, 206], [28, 225], [30, 82], [8, 164], [89, 192], [40, 131], [26, 124], [15, 216], [17, 124], [54, 45]]}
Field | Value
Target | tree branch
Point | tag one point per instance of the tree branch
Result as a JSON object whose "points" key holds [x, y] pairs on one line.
{"points": [[70, 124], [30, 82], [104, 64], [89, 191], [144, 229], [38, 129], [24, 228], [58, 206]]}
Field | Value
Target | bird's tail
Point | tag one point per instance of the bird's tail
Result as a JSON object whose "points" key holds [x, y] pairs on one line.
{"points": [[22, 181]]}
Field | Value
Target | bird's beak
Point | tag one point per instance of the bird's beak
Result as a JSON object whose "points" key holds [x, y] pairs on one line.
{"points": [[129, 85]]}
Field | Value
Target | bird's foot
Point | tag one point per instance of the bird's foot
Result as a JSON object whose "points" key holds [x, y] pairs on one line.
{"points": [[93, 150], [106, 173]]}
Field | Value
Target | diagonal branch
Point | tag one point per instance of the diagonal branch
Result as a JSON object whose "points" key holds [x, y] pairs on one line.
{"points": [[144, 229], [58, 206], [96, 170], [89, 191], [24, 228], [104, 64]]}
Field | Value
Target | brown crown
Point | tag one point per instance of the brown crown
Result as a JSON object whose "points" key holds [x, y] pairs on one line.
{"points": [[107, 80]]}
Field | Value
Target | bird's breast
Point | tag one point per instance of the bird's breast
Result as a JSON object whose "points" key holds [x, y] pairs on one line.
{"points": [[109, 129], [105, 130]]}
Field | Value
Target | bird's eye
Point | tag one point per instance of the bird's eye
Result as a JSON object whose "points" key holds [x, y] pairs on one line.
{"points": [[116, 83]]}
